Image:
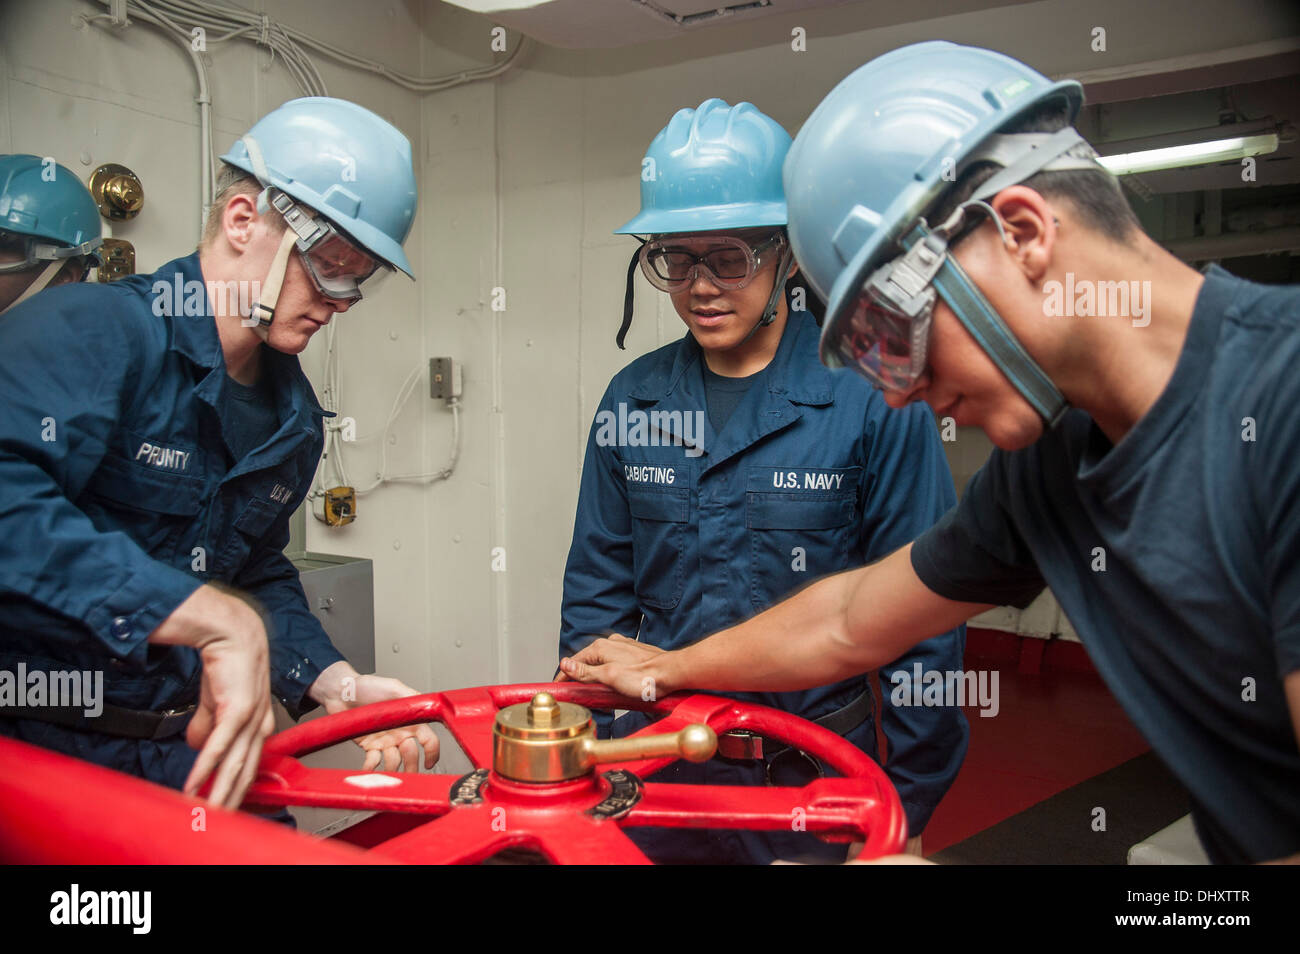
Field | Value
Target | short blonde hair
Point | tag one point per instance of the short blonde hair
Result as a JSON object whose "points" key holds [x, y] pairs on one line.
{"points": [[231, 181]]}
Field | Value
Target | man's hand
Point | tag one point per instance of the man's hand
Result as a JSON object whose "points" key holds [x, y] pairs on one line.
{"points": [[341, 687], [234, 712], [625, 665]]}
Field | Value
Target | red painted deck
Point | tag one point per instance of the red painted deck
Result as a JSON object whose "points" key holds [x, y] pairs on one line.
{"points": [[1055, 728]]}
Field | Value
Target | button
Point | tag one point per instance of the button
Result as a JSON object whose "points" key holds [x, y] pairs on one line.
{"points": [[121, 627]]}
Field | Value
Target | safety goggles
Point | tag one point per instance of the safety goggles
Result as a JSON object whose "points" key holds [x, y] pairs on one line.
{"points": [[337, 265], [886, 333], [729, 262]]}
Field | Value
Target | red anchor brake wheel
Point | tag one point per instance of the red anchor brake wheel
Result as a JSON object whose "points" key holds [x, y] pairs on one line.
{"points": [[568, 818]]}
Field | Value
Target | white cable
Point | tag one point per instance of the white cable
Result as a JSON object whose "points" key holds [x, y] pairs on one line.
{"points": [[204, 99], [399, 402], [287, 41]]}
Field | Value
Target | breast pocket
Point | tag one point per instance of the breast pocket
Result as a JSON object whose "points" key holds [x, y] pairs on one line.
{"points": [[248, 532], [156, 509], [659, 521], [796, 536]]}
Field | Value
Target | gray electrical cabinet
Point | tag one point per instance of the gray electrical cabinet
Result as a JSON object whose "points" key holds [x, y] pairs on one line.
{"points": [[341, 594]]}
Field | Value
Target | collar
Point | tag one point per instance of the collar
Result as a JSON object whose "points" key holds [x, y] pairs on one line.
{"points": [[794, 373], [193, 333]]}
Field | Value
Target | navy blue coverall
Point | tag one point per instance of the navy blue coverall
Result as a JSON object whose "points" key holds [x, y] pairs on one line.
{"points": [[120, 498], [812, 474]]}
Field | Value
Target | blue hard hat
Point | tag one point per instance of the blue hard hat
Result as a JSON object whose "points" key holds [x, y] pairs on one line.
{"points": [[879, 149], [43, 200], [710, 169], [343, 161]]}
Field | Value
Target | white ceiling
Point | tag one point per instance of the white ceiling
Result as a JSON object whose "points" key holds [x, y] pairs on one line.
{"points": [[595, 24]]}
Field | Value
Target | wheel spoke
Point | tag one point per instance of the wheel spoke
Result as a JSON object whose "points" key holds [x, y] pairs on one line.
{"points": [[463, 836], [287, 781], [840, 807], [469, 716], [581, 840]]}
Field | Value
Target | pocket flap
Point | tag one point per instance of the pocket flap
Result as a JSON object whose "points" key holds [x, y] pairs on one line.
{"points": [[145, 489], [668, 506], [257, 518], [797, 512]]}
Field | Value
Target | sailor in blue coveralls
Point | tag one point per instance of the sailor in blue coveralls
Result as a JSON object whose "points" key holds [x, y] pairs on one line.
{"points": [[158, 433], [730, 468]]}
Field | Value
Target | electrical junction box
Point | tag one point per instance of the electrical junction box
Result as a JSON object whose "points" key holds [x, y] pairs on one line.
{"points": [[444, 378]]}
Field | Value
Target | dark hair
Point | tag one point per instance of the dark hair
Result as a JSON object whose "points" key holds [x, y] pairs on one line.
{"points": [[1094, 195]]}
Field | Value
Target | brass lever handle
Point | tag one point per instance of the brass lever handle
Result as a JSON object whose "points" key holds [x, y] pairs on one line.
{"points": [[695, 743], [545, 740]]}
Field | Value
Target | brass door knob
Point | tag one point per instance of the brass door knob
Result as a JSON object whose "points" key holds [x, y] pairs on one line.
{"points": [[550, 741], [117, 191]]}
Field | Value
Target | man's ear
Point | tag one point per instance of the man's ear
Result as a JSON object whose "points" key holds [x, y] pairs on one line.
{"points": [[1030, 229], [239, 221]]}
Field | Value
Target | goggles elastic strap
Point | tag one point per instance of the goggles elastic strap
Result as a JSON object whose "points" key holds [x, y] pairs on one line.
{"points": [[263, 310], [304, 226], [992, 335]]}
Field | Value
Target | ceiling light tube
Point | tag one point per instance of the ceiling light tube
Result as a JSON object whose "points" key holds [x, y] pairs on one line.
{"points": [[1191, 154]]}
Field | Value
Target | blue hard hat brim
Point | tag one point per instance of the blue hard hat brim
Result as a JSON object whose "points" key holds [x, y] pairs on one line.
{"points": [[717, 218], [912, 202]]}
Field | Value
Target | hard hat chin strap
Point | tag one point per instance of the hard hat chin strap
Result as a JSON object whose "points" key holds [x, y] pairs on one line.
{"points": [[263, 310], [38, 283], [629, 297]]}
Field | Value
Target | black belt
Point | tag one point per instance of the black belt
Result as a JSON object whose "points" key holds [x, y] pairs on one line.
{"points": [[743, 744], [113, 720]]}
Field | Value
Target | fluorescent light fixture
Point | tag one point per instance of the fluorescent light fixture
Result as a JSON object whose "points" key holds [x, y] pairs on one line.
{"points": [[1191, 154], [489, 7]]}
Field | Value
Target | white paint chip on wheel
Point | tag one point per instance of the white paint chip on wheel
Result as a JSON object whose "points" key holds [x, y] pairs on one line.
{"points": [[372, 780]]}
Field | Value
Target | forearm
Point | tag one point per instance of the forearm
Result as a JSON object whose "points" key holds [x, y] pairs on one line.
{"points": [[798, 643], [840, 626], [209, 613]]}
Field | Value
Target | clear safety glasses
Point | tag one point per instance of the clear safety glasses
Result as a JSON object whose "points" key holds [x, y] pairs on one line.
{"points": [[885, 333], [728, 262]]}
